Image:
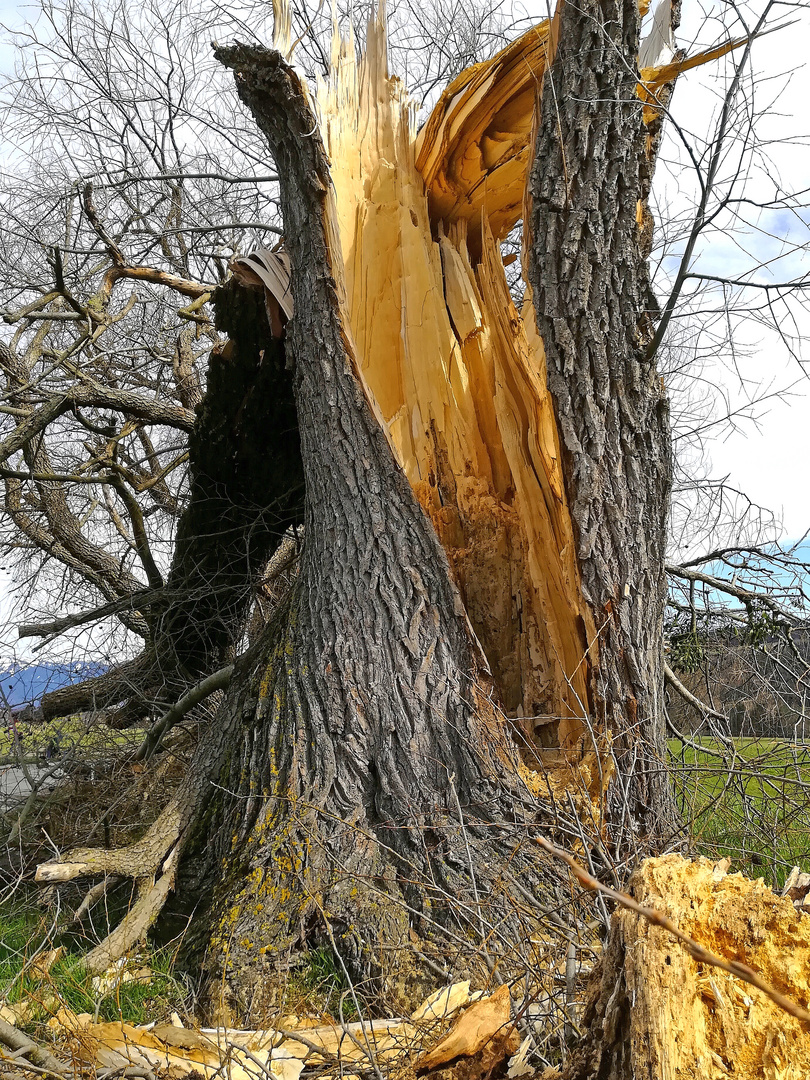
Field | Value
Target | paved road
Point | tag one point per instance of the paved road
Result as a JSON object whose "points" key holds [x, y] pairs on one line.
{"points": [[14, 785]]}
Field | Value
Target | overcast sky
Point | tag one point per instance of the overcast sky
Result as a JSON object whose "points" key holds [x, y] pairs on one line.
{"points": [[768, 459]]}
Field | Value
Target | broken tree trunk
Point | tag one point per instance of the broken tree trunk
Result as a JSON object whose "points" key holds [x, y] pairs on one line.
{"points": [[368, 815], [456, 376], [653, 1011], [462, 643]]}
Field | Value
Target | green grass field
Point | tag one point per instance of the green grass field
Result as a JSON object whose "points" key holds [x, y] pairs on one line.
{"points": [[69, 735], [748, 799]]}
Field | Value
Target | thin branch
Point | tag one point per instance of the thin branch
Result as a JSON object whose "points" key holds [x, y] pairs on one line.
{"points": [[226, 227], [217, 681], [269, 178], [701, 214], [687, 695], [801, 283]]}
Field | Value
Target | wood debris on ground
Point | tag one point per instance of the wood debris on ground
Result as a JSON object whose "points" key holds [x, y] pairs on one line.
{"points": [[453, 1023], [652, 1009]]}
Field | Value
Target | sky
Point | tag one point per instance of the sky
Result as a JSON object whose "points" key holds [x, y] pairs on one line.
{"points": [[765, 456], [11, 15]]}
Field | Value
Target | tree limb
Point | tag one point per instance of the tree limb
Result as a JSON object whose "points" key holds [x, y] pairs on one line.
{"points": [[193, 289], [104, 397], [218, 681], [687, 695], [746, 596], [135, 600], [139, 533]]}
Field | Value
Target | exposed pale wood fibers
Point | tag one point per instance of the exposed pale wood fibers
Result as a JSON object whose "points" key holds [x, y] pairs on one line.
{"points": [[460, 383], [654, 1012], [473, 151]]}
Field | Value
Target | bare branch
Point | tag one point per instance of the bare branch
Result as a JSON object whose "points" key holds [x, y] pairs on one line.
{"points": [[219, 680], [687, 695]]}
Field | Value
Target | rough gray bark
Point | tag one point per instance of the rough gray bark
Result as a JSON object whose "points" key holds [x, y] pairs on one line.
{"points": [[595, 312], [358, 789]]}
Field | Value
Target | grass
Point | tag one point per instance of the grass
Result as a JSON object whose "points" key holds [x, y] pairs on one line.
{"points": [[750, 803], [320, 985], [17, 930], [66, 983], [63, 737]]}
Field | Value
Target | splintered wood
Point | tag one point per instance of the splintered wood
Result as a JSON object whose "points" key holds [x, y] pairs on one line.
{"points": [[473, 152], [451, 1024], [456, 374], [655, 1012]]}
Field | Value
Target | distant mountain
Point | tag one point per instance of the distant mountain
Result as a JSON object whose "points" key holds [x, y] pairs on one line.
{"points": [[24, 684]]}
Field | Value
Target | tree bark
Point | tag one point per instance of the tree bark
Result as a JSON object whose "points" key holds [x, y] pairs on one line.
{"points": [[595, 312], [361, 788], [246, 491], [370, 761]]}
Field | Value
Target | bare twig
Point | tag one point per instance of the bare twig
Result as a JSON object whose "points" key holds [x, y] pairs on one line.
{"points": [[41, 1058]]}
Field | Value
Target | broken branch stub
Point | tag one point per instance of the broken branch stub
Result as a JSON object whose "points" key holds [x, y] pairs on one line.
{"points": [[142, 859], [47, 873]]}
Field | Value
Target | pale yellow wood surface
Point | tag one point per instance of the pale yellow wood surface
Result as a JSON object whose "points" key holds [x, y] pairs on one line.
{"points": [[474, 149], [459, 381], [663, 1014]]}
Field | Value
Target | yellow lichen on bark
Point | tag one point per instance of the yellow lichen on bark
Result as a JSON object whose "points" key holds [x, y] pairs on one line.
{"points": [[459, 378]]}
